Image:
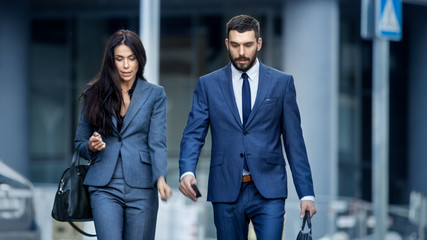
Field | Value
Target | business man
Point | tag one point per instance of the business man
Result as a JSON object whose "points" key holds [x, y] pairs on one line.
{"points": [[249, 107]]}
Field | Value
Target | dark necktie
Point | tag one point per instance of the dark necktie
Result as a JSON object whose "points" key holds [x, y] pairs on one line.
{"points": [[246, 98], [246, 107]]}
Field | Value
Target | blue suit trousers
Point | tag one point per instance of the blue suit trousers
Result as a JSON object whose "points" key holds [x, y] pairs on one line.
{"points": [[267, 215], [123, 212]]}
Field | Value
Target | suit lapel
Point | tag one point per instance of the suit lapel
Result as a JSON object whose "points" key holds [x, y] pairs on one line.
{"points": [[115, 124], [263, 86], [139, 97], [226, 84]]}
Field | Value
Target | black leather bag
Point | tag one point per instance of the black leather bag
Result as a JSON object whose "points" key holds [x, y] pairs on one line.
{"points": [[72, 199], [305, 235]]}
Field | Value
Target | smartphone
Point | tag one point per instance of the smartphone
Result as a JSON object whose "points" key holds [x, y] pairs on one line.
{"points": [[198, 194]]}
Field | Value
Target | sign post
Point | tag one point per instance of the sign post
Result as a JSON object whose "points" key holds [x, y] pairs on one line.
{"points": [[381, 22], [380, 135]]}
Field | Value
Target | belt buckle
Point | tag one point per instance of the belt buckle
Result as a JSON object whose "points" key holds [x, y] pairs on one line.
{"points": [[247, 178]]}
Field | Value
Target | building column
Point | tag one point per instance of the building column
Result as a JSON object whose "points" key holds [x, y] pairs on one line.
{"points": [[149, 24], [311, 47], [14, 84], [417, 104]]}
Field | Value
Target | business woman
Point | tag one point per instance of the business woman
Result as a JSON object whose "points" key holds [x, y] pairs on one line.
{"points": [[122, 129]]}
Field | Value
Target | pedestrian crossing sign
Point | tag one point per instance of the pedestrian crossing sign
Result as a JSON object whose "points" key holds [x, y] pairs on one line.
{"points": [[389, 20]]}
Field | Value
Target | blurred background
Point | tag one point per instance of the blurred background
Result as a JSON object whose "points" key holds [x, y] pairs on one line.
{"points": [[49, 50]]}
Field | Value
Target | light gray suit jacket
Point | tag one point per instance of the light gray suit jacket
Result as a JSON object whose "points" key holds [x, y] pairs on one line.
{"points": [[141, 141]]}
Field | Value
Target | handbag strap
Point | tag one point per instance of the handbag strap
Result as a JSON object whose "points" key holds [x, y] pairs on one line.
{"points": [[308, 220], [81, 231], [76, 158]]}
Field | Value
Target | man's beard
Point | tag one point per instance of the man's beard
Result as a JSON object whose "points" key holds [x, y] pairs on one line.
{"points": [[251, 61]]}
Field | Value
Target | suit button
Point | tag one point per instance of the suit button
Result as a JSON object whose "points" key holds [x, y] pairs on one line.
{"points": [[120, 139], [245, 133], [242, 155]]}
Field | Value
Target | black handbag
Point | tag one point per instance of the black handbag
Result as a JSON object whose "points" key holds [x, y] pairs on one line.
{"points": [[72, 199], [305, 235]]}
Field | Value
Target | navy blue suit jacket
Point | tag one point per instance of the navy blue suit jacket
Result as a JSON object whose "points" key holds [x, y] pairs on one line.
{"points": [[274, 115], [141, 141]]}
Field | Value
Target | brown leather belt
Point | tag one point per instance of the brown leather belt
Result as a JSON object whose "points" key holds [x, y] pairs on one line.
{"points": [[247, 178]]}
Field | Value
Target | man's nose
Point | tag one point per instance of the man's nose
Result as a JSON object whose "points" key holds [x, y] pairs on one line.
{"points": [[242, 51]]}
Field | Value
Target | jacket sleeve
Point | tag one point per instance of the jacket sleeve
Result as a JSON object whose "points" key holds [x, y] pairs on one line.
{"points": [[83, 133], [194, 135], [294, 143], [157, 137]]}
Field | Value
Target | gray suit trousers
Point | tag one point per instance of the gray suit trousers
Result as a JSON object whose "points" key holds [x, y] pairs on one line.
{"points": [[124, 212]]}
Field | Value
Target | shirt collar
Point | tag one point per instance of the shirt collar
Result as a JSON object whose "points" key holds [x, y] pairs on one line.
{"points": [[236, 74], [132, 89]]}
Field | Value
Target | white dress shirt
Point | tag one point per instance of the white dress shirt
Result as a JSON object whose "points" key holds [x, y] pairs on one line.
{"points": [[236, 76]]}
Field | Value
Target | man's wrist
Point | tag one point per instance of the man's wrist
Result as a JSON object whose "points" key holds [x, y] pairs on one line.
{"points": [[309, 198], [185, 174]]}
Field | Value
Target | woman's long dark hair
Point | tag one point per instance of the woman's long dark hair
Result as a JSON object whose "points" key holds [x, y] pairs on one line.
{"points": [[103, 96]]}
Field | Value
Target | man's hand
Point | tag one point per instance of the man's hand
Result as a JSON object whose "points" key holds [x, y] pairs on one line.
{"points": [[307, 205], [185, 186], [95, 143], [164, 189]]}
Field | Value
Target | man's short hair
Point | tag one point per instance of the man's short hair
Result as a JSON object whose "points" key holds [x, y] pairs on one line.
{"points": [[243, 23]]}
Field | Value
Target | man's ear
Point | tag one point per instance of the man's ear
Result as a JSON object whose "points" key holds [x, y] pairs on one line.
{"points": [[226, 43], [259, 44]]}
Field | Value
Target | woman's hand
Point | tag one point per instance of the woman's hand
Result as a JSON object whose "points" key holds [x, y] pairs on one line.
{"points": [[164, 189], [95, 143]]}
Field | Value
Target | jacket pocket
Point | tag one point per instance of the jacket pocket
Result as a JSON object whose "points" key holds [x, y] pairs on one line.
{"points": [[272, 105], [269, 101], [145, 157], [217, 160], [275, 158]]}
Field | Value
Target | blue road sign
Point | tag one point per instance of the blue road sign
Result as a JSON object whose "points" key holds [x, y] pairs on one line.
{"points": [[389, 19]]}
